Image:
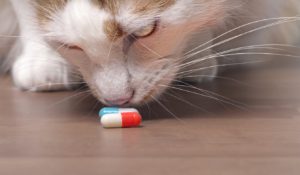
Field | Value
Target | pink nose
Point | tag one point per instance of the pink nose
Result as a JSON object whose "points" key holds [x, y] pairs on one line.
{"points": [[119, 101]]}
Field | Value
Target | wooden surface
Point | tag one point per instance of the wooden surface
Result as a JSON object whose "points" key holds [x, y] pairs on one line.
{"points": [[52, 133]]}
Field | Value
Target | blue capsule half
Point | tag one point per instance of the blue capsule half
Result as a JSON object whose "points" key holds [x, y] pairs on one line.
{"points": [[114, 110], [108, 110]]}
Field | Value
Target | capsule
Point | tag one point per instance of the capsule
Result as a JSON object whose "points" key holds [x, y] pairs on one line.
{"points": [[120, 117], [121, 120]]}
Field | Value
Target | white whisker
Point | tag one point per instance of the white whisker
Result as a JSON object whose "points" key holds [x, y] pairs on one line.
{"points": [[165, 108], [262, 46], [216, 77], [218, 65], [212, 93], [208, 96], [70, 97], [187, 102], [240, 35], [241, 27]]}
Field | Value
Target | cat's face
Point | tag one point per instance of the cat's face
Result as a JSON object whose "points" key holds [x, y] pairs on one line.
{"points": [[126, 50]]}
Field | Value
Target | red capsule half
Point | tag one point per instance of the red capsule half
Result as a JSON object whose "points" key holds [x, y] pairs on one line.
{"points": [[131, 119]]}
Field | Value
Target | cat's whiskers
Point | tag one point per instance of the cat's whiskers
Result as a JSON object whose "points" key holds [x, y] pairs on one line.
{"points": [[187, 102], [217, 77], [205, 95], [168, 110], [218, 65], [181, 89], [204, 76], [262, 46], [283, 20], [208, 92], [77, 94], [97, 103], [148, 48], [236, 37], [220, 43]]}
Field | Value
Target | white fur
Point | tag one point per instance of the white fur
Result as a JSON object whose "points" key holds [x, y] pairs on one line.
{"points": [[39, 67], [114, 70]]}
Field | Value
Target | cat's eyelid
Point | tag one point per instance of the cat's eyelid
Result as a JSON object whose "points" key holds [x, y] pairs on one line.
{"points": [[70, 46], [146, 31], [74, 47]]}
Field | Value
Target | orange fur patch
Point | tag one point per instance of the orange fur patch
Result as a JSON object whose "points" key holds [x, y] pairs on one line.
{"points": [[45, 8], [145, 6], [113, 30], [109, 5], [141, 6]]}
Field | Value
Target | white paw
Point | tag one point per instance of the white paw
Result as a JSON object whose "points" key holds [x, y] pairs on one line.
{"points": [[33, 73]]}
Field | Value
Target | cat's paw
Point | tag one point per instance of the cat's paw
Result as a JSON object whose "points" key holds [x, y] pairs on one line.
{"points": [[34, 74]]}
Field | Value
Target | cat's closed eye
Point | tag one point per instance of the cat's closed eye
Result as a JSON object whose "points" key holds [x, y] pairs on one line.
{"points": [[72, 47], [146, 31], [141, 33]]}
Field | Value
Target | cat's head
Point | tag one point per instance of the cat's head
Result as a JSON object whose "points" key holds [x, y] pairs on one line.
{"points": [[128, 51]]}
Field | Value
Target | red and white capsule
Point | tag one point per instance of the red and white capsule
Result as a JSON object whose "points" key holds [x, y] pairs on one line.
{"points": [[121, 120]]}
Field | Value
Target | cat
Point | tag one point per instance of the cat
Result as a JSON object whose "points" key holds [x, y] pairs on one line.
{"points": [[129, 51]]}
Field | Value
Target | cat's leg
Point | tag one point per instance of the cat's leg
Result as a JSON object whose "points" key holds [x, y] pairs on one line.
{"points": [[39, 67]]}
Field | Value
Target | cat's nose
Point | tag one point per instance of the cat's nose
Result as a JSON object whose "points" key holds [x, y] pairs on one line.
{"points": [[119, 101]]}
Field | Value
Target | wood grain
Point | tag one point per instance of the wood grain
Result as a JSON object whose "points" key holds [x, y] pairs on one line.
{"points": [[51, 133]]}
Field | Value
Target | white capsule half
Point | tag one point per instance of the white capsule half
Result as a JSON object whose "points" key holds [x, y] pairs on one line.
{"points": [[112, 120]]}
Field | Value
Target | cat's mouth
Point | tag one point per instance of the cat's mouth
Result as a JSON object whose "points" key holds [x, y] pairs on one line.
{"points": [[120, 101]]}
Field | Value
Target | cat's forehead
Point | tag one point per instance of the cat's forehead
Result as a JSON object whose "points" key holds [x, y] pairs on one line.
{"points": [[120, 13], [111, 6], [139, 6]]}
